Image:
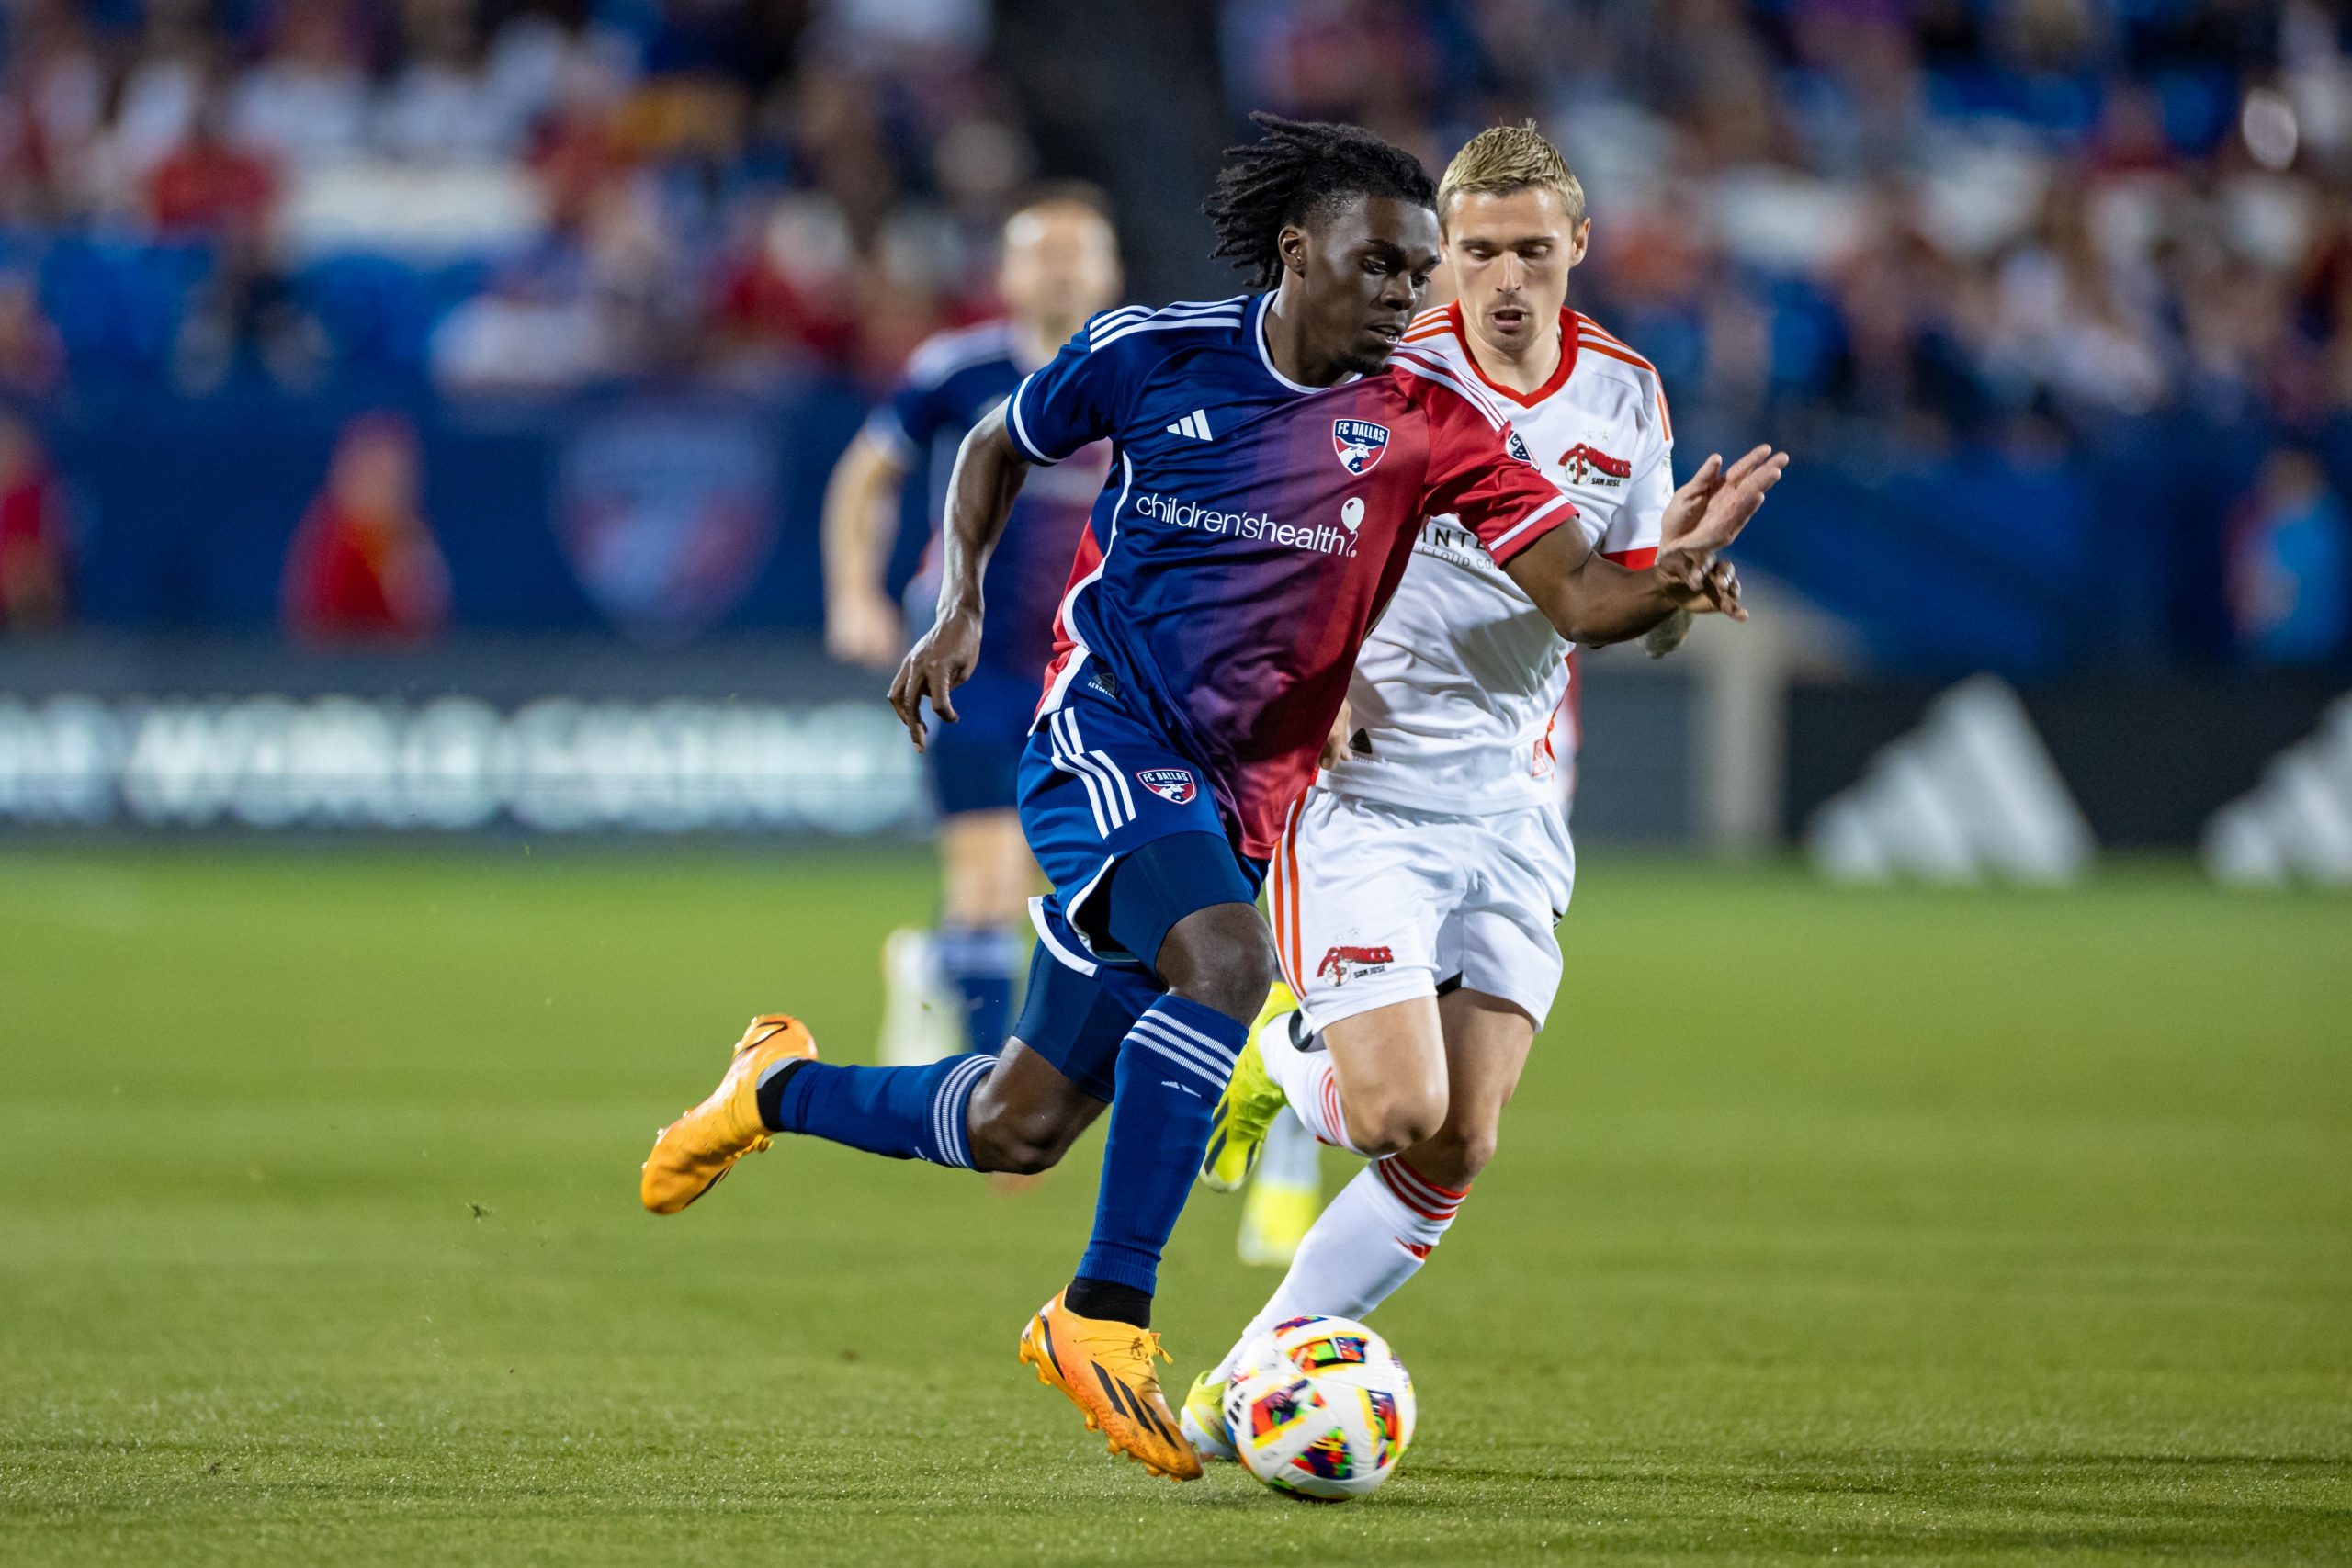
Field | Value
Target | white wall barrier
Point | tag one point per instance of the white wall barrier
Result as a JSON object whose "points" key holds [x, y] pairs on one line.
{"points": [[554, 765], [1970, 795], [2296, 825]]}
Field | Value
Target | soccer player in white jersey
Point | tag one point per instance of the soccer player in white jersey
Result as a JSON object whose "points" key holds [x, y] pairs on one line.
{"points": [[1416, 885]]}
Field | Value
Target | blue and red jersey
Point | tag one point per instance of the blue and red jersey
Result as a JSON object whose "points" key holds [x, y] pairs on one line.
{"points": [[1252, 528]]}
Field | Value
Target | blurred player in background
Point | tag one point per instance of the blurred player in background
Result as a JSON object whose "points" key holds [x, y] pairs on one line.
{"points": [[1272, 472], [1419, 882], [951, 990]]}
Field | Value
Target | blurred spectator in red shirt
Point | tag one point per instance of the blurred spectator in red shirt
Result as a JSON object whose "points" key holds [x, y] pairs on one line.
{"points": [[791, 293], [32, 533], [32, 360], [364, 566], [208, 185]]}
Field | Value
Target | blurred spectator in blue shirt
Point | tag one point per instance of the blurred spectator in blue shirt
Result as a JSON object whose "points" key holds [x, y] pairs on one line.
{"points": [[2290, 565]]}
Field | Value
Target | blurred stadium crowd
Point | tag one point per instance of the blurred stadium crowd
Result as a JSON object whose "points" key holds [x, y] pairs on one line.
{"points": [[2042, 285], [539, 194]]}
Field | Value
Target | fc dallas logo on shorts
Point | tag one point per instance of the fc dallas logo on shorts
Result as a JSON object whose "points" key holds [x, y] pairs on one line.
{"points": [[1590, 465], [1341, 964], [1360, 444], [1174, 785]]}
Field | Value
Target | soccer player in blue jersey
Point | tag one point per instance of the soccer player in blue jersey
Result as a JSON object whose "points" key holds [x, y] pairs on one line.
{"points": [[1060, 265], [1271, 468]]}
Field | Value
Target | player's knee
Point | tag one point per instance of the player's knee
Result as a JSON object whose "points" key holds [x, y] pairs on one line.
{"points": [[1017, 1146], [1017, 1140], [1007, 1157], [1455, 1156], [1395, 1118], [1221, 957], [1252, 973]]}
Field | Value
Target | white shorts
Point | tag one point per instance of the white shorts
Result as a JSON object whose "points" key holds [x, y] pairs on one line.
{"points": [[1374, 904]]}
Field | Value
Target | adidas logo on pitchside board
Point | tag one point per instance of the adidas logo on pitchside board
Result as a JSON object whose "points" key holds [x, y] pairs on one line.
{"points": [[1194, 425]]}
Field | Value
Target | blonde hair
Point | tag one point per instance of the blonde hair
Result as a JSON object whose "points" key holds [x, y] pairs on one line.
{"points": [[1506, 158]]}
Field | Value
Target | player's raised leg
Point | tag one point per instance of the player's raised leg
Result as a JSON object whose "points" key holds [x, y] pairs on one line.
{"points": [[1016, 1110]]}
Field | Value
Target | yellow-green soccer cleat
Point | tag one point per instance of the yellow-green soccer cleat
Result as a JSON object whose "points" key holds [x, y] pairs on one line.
{"points": [[1275, 1218], [1203, 1421], [1249, 1104]]}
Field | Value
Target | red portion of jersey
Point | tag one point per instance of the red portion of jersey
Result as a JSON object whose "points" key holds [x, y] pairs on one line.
{"points": [[1240, 578]]}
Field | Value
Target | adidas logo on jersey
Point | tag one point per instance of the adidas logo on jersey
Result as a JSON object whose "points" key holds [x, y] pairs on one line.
{"points": [[1194, 425]]}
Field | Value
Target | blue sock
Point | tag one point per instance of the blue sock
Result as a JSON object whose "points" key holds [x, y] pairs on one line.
{"points": [[983, 963], [904, 1112], [1171, 1067]]}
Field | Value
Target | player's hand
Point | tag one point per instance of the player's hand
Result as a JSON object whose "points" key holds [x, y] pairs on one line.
{"points": [[1702, 584], [1687, 567], [1335, 745], [1731, 501], [1689, 503], [864, 629], [942, 662]]}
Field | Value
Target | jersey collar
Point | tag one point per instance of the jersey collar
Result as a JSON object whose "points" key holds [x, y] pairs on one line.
{"points": [[1560, 372], [1265, 302]]}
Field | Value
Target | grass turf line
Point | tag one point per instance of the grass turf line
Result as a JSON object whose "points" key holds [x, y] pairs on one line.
{"points": [[1903, 1227]]}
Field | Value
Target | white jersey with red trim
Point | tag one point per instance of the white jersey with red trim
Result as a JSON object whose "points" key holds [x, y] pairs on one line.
{"points": [[1457, 689]]}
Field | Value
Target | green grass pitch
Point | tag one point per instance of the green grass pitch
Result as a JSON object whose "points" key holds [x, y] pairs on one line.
{"points": [[1884, 1228]]}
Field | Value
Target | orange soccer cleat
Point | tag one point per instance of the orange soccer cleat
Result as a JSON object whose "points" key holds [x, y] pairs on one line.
{"points": [[691, 1153], [1106, 1369]]}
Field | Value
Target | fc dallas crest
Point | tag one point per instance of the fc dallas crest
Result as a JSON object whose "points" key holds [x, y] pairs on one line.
{"points": [[1174, 785], [1360, 444]]}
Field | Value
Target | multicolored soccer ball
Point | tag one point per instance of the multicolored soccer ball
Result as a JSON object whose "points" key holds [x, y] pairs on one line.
{"points": [[1320, 1408]]}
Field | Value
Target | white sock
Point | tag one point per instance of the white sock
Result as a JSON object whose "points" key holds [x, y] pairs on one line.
{"points": [[1307, 1083], [1373, 1236]]}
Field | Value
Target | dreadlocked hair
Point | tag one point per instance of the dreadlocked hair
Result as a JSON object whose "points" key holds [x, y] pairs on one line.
{"points": [[1296, 169]]}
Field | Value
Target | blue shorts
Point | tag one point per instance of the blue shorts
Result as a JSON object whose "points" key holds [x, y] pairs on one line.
{"points": [[1097, 788], [976, 762]]}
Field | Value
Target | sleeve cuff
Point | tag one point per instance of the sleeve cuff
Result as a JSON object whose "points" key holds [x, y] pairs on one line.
{"points": [[1020, 429], [1532, 527]]}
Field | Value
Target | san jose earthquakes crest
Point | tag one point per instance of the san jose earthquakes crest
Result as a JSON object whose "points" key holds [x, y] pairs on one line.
{"points": [[1360, 444], [1174, 785]]}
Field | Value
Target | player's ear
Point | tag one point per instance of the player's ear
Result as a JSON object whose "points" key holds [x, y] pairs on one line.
{"points": [[1580, 243], [1291, 246]]}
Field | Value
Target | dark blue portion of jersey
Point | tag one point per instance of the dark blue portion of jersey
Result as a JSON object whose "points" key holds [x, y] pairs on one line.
{"points": [[953, 382]]}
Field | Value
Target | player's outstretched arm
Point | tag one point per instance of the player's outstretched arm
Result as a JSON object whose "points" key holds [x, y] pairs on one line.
{"points": [[989, 474], [1595, 601]]}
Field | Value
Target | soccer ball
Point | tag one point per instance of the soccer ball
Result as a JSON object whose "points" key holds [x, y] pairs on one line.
{"points": [[1320, 1408]]}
